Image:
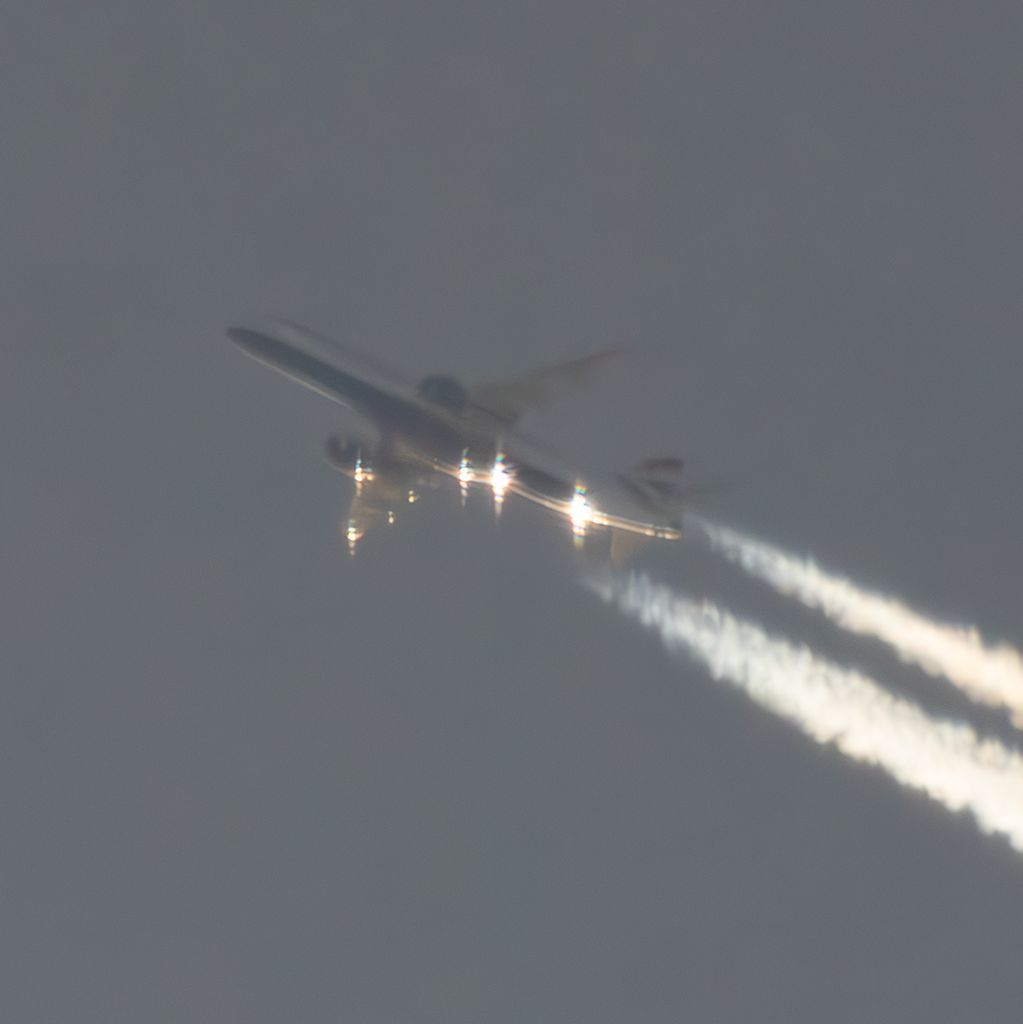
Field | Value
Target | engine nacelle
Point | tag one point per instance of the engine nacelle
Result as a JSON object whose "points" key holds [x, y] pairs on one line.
{"points": [[348, 455], [446, 392]]}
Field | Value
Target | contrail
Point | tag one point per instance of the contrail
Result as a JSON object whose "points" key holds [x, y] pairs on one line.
{"points": [[987, 674], [838, 706]]}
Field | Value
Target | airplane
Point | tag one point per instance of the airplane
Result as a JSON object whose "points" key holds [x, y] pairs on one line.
{"points": [[414, 436]]}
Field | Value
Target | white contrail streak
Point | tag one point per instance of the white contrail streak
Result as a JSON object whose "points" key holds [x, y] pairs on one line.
{"points": [[986, 674], [946, 760]]}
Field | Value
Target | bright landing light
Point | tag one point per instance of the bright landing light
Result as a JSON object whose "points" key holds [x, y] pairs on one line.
{"points": [[362, 473], [500, 479], [465, 476], [352, 535], [580, 511]]}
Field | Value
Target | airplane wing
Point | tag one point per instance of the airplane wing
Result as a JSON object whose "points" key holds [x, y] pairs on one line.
{"points": [[509, 400], [345, 357], [324, 366]]}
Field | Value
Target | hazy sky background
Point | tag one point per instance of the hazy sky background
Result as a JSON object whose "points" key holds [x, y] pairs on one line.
{"points": [[243, 778]]}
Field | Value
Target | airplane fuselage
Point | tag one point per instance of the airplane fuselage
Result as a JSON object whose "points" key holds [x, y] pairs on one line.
{"points": [[437, 429]]}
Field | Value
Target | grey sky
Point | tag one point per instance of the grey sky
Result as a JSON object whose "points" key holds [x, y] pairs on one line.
{"points": [[243, 778]]}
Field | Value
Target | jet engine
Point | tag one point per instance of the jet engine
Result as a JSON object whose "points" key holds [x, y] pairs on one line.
{"points": [[346, 454], [446, 392]]}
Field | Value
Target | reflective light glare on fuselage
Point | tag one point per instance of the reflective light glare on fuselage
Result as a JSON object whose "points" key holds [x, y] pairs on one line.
{"points": [[500, 479]]}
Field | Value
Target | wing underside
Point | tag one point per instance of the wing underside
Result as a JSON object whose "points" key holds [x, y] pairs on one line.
{"points": [[324, 367]]}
